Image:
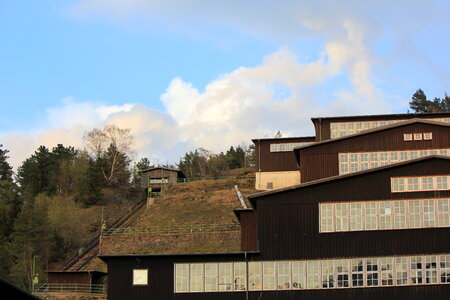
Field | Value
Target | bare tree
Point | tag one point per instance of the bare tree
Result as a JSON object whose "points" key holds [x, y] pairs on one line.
{"points": [[111, 143]]}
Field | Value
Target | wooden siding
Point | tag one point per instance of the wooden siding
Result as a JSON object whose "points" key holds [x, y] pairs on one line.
{"points": [[161, 280], [172, 176], [288, 222], [266, 161], [70, 277], [249, 231], [321, 161], [323, 128]]}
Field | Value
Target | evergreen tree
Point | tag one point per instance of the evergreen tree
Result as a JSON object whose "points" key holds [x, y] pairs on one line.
{"points": [[5, 168], [89, 188], [420, 104], [138, 167]]}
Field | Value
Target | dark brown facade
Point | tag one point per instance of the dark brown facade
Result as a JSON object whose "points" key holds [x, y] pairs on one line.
{"points": [[267, 161], [78, 277], [161, 279], [298, 236], [158, 178], [249, 229], [320, 160], [322, 125]]}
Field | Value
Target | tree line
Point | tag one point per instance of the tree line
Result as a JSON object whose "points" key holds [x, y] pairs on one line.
{"points": [[39, 204]]}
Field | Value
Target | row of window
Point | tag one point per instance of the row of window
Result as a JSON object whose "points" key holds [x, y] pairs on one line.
{"points": [[312, 274], [359, 161], [423, 183], [418, 136], [384, 215], [340, 129], [285, 147]]}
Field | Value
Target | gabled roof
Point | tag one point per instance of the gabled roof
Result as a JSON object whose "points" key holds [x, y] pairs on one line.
{"points": [[383, 116], [373, 130], [237, 212], [285, 138], [255, 196]]}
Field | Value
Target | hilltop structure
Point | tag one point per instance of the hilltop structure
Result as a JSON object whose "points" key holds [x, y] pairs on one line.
{"points": [[368, 219]]}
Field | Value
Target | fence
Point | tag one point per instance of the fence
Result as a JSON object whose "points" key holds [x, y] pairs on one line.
{"points": [[173, 229], [72, 288]]}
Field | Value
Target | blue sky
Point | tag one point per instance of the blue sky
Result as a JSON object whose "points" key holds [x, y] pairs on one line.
{"points": [[187, 74]]}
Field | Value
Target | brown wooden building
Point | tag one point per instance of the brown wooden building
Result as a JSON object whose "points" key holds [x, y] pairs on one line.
{"points": [[334, 127], [159, 177], [275, 163], [370, 220], [372, 148], [352, 236]]}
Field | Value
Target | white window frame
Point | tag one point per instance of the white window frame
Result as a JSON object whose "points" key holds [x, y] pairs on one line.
{"points": [[140, 277]]}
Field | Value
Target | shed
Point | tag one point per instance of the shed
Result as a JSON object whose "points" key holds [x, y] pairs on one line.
{"points": [[160, 177]]}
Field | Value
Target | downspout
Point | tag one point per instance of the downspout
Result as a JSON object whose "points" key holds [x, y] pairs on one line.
{"points": [[259, 161], [246, 272]]}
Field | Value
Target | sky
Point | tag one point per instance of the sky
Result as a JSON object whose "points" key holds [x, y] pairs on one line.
{"points": [[187, 74]]}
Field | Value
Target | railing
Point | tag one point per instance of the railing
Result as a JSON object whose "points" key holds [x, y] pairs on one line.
{"points": [[173, 229], [72, 288]]}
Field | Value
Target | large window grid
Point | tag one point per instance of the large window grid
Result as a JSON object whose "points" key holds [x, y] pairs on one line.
{"points": [[340, 129], [423, 183], [285, 147], [329, 274], [384, 215], [359, 161]]}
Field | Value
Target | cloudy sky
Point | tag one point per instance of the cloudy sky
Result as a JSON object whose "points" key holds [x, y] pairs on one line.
{"points": [[183, 74]]}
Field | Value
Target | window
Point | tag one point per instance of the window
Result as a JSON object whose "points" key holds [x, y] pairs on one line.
{"points": [[181, 278], [431, 272], [427, 136], [443, 213], [313, 274], [357, 161], [326, 218], [416, 270], [371, 220], [342, 271], [269, 282], [328, 280], [357, 269], [417, 136], [356, 216], [414, 184], [298, 275], [196, 276], [387, 274], [225, 276], [140, 276], [211, 277], [445, 269], [284, 278], [254, 279], [407, 136], [372, 272], [401, 268], [341, 216], [240, 276], [384, 215]]}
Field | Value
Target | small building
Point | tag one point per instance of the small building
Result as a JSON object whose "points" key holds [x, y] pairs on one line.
{"points": [[275, 163], [75, 281], [156, 179]]}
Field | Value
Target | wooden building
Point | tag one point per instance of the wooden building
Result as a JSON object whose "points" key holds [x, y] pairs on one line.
{"points": [[372, 148], [334, 127], [158, 178], [275, 163], [375, 232]]}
